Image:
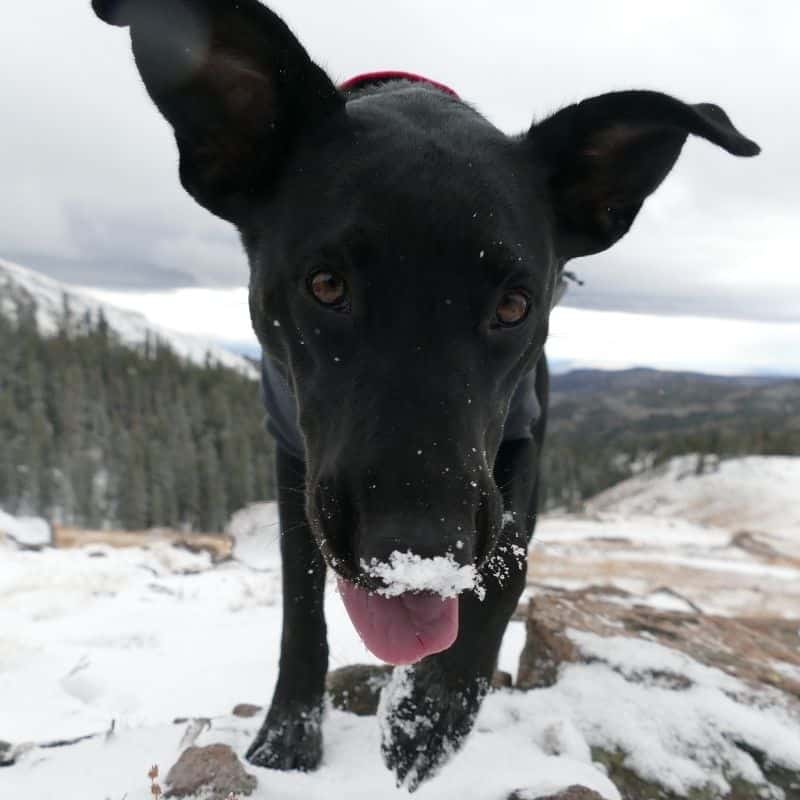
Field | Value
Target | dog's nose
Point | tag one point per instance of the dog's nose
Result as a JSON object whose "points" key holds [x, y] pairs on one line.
{"points": [[367, 521], [382, 536]]}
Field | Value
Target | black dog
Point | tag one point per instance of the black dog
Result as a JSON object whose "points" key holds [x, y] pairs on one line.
{"points": [[404, 254]]}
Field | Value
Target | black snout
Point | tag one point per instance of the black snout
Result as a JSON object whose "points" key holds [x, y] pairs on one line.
{"points": [[361, 522], [382, 535]]}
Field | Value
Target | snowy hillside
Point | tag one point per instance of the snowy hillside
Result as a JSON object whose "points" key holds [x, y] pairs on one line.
{"points": [[756, 493], [132, 328]]}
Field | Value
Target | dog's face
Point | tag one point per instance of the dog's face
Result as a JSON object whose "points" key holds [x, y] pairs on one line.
{"points": [[404, 254], [403, 271]]}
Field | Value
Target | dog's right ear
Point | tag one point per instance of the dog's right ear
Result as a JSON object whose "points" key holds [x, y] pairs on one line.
{"points": [[234, 83]]}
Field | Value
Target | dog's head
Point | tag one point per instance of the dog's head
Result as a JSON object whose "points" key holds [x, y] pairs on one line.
{"points": [[404, 255]]}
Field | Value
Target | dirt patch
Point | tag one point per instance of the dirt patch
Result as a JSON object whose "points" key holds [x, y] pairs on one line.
{"points": [[750, 576], [219, 546]]}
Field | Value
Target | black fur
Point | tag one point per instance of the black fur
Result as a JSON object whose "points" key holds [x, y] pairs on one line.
{"points": [[430, 214]]}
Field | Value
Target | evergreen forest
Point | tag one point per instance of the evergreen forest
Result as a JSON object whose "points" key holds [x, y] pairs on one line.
{"points": [[97, 434]]}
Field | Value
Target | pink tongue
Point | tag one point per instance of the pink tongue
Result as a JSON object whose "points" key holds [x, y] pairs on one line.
{"points": [[403, 629]]}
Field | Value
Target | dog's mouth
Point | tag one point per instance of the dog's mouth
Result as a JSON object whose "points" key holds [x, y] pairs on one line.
{"points": [[413, 612], [402, 602]]}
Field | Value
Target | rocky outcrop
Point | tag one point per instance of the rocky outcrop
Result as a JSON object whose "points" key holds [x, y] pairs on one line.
{"points": [[763, 655], [760, 652]]}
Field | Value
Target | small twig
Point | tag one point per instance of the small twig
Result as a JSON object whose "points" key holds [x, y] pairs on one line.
{"points": [[155, 788], [571, 276]]}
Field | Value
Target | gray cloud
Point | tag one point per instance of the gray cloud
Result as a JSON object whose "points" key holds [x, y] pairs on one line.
{"points": [[117, 271], [90, 191]]}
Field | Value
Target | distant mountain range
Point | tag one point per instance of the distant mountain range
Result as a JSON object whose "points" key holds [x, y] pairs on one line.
{"points": [[651, 400], [605, 427], [20, 283]]}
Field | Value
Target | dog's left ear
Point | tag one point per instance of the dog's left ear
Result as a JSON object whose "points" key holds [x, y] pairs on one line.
{"points": [[605, 155], [234, 83]]}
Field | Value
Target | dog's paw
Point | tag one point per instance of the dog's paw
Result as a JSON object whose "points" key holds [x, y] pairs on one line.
{"points": [[424, 720], [289, 740]]}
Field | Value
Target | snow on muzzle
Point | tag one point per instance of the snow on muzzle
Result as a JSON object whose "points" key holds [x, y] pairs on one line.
{"points": [[415, 613]]}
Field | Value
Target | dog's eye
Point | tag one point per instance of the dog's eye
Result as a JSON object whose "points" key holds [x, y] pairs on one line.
{"points": [[513, 308], [329, 289]]}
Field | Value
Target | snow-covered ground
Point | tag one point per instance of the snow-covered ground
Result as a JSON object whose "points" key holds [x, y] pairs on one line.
{"points": [[144, 636], [25, 531], [131, 327], [725, 542], [140, 637]]}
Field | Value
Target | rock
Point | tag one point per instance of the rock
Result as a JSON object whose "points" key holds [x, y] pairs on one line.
{"points": [[6, 754], [214, 770], [633, 787], [246, 710], [572, 793], [357, 688], [748, 649], [755, 545], [547, 647], [502, 680]]}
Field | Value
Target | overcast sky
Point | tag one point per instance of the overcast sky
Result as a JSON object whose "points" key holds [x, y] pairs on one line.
{"points": [[91, 196]]}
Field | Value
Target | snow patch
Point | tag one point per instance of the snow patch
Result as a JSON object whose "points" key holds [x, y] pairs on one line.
{"points": [[407, 572], [634, 658], [397, 690], [256, 534], [25, 531], [132, 328], [681, 739]]}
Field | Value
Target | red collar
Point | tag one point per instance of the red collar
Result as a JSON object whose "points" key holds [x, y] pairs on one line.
{"points": [[383, 76]]}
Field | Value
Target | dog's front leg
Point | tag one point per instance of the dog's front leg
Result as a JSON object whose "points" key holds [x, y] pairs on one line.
{"points": [[429, 708], [291, 736]]}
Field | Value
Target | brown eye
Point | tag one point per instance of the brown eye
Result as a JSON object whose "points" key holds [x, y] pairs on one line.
{"points": [[329, 289], [513, 308]]}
